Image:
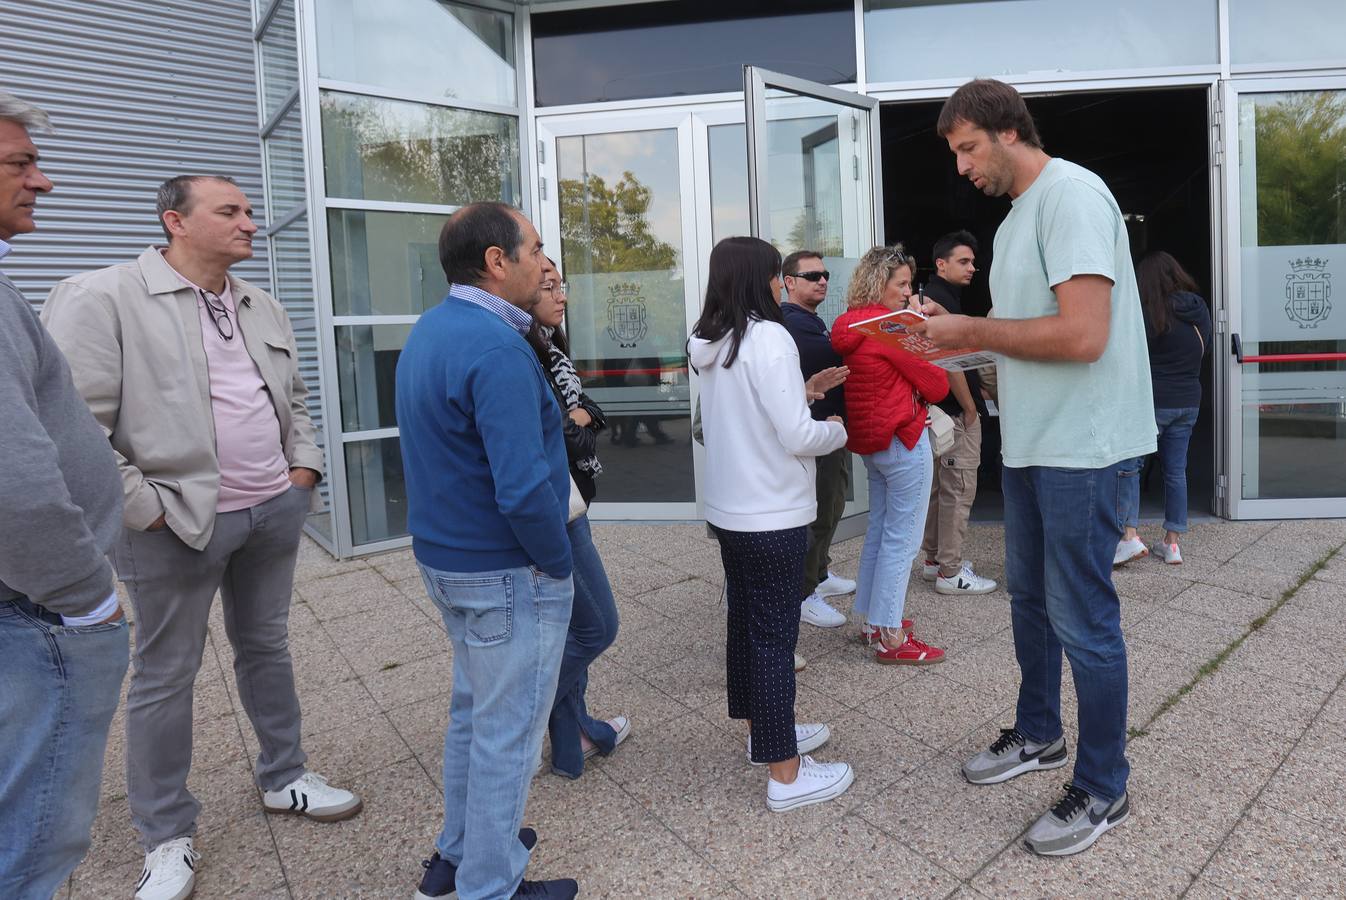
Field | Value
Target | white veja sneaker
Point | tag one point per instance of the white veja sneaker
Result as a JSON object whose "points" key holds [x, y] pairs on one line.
{"points": [[930, 570], [816, 611], [800, 663], [835, 586], [1128, 551], [808, 738], [310, 795], [170, 871], [965, 582], [817, 783], [1168, 553]]}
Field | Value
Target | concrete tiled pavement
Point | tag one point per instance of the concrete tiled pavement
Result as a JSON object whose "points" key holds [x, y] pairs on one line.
{"points": [[1236, 788]]}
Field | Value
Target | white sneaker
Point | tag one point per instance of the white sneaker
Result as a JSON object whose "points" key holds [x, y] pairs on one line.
{"points": [[1128, 551], [930, 570], [800, 663], [835, 586], [808, 738], [170, 871], [816, 783], [1168, 553], [621, 725], [816, 611], [965, 582], [310, 795]]}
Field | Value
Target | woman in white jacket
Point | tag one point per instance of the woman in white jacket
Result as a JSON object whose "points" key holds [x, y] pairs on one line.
{"points": [[760, 499]]}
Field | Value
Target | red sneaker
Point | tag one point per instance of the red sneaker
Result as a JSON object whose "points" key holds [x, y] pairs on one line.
{"points": [[870, 636], [912, 653]]}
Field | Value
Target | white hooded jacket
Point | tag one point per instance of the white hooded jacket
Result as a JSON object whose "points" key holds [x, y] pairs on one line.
{"points": [[760, 439]]}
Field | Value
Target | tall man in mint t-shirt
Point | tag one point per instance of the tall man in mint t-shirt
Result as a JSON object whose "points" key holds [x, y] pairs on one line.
{"points": [[488, 490], [1075, 407]]}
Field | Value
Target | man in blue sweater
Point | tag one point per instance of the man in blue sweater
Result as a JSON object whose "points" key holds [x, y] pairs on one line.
{"points": [[487, 492]]}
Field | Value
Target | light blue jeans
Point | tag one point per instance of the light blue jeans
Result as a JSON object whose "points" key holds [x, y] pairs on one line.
{"points": [[1175, 433], [899, 495], [508, 629], [59, 687]]}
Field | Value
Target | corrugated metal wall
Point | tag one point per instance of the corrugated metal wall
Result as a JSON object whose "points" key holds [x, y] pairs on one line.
{"points": [[138, 92]]}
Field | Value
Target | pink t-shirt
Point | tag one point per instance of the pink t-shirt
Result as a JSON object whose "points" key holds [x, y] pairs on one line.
{"points": [[247, 433]]}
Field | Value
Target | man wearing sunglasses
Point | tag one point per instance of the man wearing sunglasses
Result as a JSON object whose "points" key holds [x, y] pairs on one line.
{"points": [[806, 282], [193, 374]]}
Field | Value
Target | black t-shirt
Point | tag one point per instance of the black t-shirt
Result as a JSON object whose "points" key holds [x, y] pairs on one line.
{"points": [[951, 298]]}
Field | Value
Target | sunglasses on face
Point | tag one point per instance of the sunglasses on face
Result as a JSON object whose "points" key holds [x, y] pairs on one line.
{"points": [[813, 276]]}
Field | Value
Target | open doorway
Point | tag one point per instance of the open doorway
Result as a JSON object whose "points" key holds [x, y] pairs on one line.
{"points": [[1152, 149]]}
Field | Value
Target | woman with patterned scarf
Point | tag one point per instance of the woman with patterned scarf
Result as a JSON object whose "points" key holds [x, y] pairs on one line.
{"points": [[575, 735]]}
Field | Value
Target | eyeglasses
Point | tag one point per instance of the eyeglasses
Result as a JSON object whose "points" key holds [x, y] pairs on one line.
{"points": [[899, 256], [813, 276], [563, 287], [219, 314]]}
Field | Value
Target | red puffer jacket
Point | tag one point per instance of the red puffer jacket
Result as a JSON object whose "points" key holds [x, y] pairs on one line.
{"points": [[887, 389]]}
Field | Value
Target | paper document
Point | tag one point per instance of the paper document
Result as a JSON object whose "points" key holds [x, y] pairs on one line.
{"points": [[892, 329]]}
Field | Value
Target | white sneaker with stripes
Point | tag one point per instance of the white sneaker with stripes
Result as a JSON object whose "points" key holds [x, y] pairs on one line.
{"points": [[170, 871], [310, 795]]}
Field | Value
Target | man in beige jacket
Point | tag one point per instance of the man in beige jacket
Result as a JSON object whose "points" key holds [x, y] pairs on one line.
{"points": [[193, 375]]}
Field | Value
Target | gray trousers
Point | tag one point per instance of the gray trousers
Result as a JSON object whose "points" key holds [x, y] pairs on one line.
{"points": [[250, 559]]}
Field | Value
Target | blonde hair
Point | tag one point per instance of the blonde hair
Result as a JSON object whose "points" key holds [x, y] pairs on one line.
{"points": [[872, 274]]}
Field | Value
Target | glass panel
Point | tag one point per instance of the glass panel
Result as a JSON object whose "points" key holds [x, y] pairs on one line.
{"points": [[675, 49], [1292, 174], [389, 150], [402, 44], [384, 264], [942, 39], [280, 58], [1299, 32], [378, 492], [728, 181], [294, 274], [285, 162], [621, 248], [367, 368]]}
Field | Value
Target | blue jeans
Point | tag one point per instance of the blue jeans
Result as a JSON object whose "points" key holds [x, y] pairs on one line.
{"points": [[899, 495], [508, 628], [1061, 530], [59, 687], [1175, 433], [593, 628]]}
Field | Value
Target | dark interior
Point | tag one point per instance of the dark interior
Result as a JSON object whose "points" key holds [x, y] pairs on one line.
{"points": [[1152, 149]]}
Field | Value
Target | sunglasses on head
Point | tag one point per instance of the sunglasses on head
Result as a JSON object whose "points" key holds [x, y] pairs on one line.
{"points": [[813, 276]]}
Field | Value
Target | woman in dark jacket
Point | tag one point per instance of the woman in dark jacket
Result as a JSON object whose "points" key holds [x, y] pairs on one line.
{"points": [[575, 735], [1178, 328]]}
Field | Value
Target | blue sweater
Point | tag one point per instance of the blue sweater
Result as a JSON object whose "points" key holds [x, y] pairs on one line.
{"points": [[482, 448]]}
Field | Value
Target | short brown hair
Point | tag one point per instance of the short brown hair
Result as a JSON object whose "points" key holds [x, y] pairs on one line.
{"points": [[872, 273], [791, 264], [991, 105]]}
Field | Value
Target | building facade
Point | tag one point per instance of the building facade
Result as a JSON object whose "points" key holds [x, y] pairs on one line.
{"points": [[624, 130]]}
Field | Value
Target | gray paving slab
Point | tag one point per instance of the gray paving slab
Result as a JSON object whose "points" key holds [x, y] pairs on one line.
{"points": [[1234, 787]]}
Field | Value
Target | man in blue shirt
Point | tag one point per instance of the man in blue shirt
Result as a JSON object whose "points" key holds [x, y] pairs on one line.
{"points": [[1075, 408], [487, 496]]}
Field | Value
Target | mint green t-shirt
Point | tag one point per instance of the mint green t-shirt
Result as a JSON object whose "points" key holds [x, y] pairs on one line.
{"points": [[1074, 415]]}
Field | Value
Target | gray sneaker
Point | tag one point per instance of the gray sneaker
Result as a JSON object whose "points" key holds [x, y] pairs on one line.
{"points": [[1074, 823], [1013, 754]]}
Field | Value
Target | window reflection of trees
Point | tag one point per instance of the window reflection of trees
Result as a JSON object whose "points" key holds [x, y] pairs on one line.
{"points": [[387, 150], [607, 229], [1301, 190]]}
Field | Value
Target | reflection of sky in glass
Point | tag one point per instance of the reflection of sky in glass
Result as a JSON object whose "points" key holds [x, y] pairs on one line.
{"points": [[1291, 31], [405, 44], [937, 39]]}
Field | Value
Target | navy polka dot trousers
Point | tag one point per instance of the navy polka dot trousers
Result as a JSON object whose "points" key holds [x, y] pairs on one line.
{"points": [[762, 572]]}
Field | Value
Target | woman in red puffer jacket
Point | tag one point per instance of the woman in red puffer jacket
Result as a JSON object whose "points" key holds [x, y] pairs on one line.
{"points": [[886, 396]]}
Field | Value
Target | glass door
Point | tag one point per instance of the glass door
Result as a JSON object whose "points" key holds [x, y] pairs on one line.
{"points": [[618, 218], [814, 182], [1285, 354]]}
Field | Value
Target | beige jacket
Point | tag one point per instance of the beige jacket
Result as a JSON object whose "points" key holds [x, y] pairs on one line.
{"points": [[132, 334]]}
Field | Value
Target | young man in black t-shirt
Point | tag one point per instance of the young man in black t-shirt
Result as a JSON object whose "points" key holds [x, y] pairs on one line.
{"points": [[955, 484]]}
